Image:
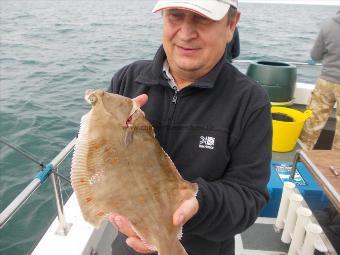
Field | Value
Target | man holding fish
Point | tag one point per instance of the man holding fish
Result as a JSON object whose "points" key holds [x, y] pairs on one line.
{"points": [[213, 122]]}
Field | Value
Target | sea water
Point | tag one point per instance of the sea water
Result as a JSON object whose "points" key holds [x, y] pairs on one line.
{"points": [[51, 51]]}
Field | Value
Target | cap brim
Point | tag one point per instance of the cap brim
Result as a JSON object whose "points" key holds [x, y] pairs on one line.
{"points": [[212, 9]]}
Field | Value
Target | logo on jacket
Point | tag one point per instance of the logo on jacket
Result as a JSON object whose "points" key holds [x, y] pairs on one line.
{"points": [[207, 142]]}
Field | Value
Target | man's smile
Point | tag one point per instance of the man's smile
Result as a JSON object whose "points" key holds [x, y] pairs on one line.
{"points": [[187, 50]]}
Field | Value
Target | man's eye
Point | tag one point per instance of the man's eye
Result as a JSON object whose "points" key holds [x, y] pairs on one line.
{"points": [[202, 20], [175, 15]]}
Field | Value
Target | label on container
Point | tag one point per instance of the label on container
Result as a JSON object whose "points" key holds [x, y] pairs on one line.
{"points": [[283, 170]]}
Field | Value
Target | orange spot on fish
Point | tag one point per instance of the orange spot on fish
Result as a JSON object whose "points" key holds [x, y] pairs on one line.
{"points": [[97, 146], [82, 180], [141, 199], [100, 213], [88, 199]]}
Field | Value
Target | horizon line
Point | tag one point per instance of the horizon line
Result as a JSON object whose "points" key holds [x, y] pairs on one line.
{"points": [[299, 2]]}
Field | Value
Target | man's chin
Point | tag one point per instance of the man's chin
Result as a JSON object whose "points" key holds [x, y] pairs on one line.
{"points": [[189, 67]]}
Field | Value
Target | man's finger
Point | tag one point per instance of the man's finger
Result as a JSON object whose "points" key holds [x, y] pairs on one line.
{"points": [[185, 212], [124, 226], [141, 99], [136, 244], [111, 218]]}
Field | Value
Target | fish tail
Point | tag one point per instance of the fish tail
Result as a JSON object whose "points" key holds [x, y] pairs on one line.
{"points": [[172, 248]]}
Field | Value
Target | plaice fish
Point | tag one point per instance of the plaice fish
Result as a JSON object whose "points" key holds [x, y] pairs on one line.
{"points": [[118, 166]]}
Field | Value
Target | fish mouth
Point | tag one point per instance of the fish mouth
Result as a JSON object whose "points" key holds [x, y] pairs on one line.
{"points": [[133, 114], [90, 96]]}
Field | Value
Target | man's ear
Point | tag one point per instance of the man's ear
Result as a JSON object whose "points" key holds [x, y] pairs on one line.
{"points": [[237, 17], [232, 25]]}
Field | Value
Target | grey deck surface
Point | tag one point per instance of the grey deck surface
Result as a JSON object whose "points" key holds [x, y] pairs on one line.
{"points": [[263, 237]]}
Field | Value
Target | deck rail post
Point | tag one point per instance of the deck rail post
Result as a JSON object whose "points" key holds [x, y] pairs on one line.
{"points": [[64, 227], [40, 178]]}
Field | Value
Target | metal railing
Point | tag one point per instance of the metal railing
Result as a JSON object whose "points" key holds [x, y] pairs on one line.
{"points": [[49, 169], [248, 61]]}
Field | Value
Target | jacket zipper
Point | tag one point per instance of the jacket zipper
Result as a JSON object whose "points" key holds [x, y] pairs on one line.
{"points": [[175, 96], [172, 111], [173, 107]]}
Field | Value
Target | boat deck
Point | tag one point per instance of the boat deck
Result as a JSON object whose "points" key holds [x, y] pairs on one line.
{"points": [[261, 237]]}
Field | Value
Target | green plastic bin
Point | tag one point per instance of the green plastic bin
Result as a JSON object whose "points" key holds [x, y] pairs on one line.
{"points": [[277, 78]]}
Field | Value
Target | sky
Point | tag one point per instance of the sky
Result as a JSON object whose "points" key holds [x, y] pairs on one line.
{"points": [[316, 2]]}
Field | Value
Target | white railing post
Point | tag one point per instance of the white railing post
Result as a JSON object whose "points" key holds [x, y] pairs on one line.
{"points": [[312, 233], [294, 203], [288, 189], [64, 227], [303, 217]]}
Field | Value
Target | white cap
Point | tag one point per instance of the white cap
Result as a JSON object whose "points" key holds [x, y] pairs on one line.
{"points": [[213, 9]]}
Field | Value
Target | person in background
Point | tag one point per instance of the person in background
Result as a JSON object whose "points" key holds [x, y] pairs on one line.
{"points": [[233, 47], [327, 89], [213, 121]]}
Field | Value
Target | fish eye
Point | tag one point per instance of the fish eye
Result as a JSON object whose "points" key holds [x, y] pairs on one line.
{"points": [[92, 99]]}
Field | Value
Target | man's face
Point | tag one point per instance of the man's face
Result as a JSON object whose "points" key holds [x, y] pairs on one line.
{"points": [[193, 43]]}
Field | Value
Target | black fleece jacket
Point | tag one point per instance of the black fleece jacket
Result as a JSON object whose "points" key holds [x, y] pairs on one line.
{"points": [[218, 133]]}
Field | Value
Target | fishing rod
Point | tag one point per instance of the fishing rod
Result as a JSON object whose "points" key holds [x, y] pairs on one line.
{"points": [[308, 63], [29, 156], [22, 152], [41, 176]]}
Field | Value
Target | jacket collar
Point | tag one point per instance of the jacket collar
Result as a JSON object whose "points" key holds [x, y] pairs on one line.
{"points": [[153, 74]]}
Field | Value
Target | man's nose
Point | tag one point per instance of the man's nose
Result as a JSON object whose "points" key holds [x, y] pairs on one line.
{"points": [[188, 29]]}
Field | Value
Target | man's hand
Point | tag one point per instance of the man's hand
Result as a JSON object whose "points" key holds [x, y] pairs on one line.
{"points": [[184, 213], [124, 226], [141, 99]]}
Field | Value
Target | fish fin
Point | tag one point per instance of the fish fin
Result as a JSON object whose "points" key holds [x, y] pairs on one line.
{"points": [[171, 248], [180, 233], [128, 136], [80, 178], [149, 246]]}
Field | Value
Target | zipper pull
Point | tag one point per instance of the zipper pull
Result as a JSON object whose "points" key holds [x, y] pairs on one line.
{"points": [[174, 98]]}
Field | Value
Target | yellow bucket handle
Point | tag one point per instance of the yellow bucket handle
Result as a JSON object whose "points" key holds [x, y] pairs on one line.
{"points": [[307, 114]]}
